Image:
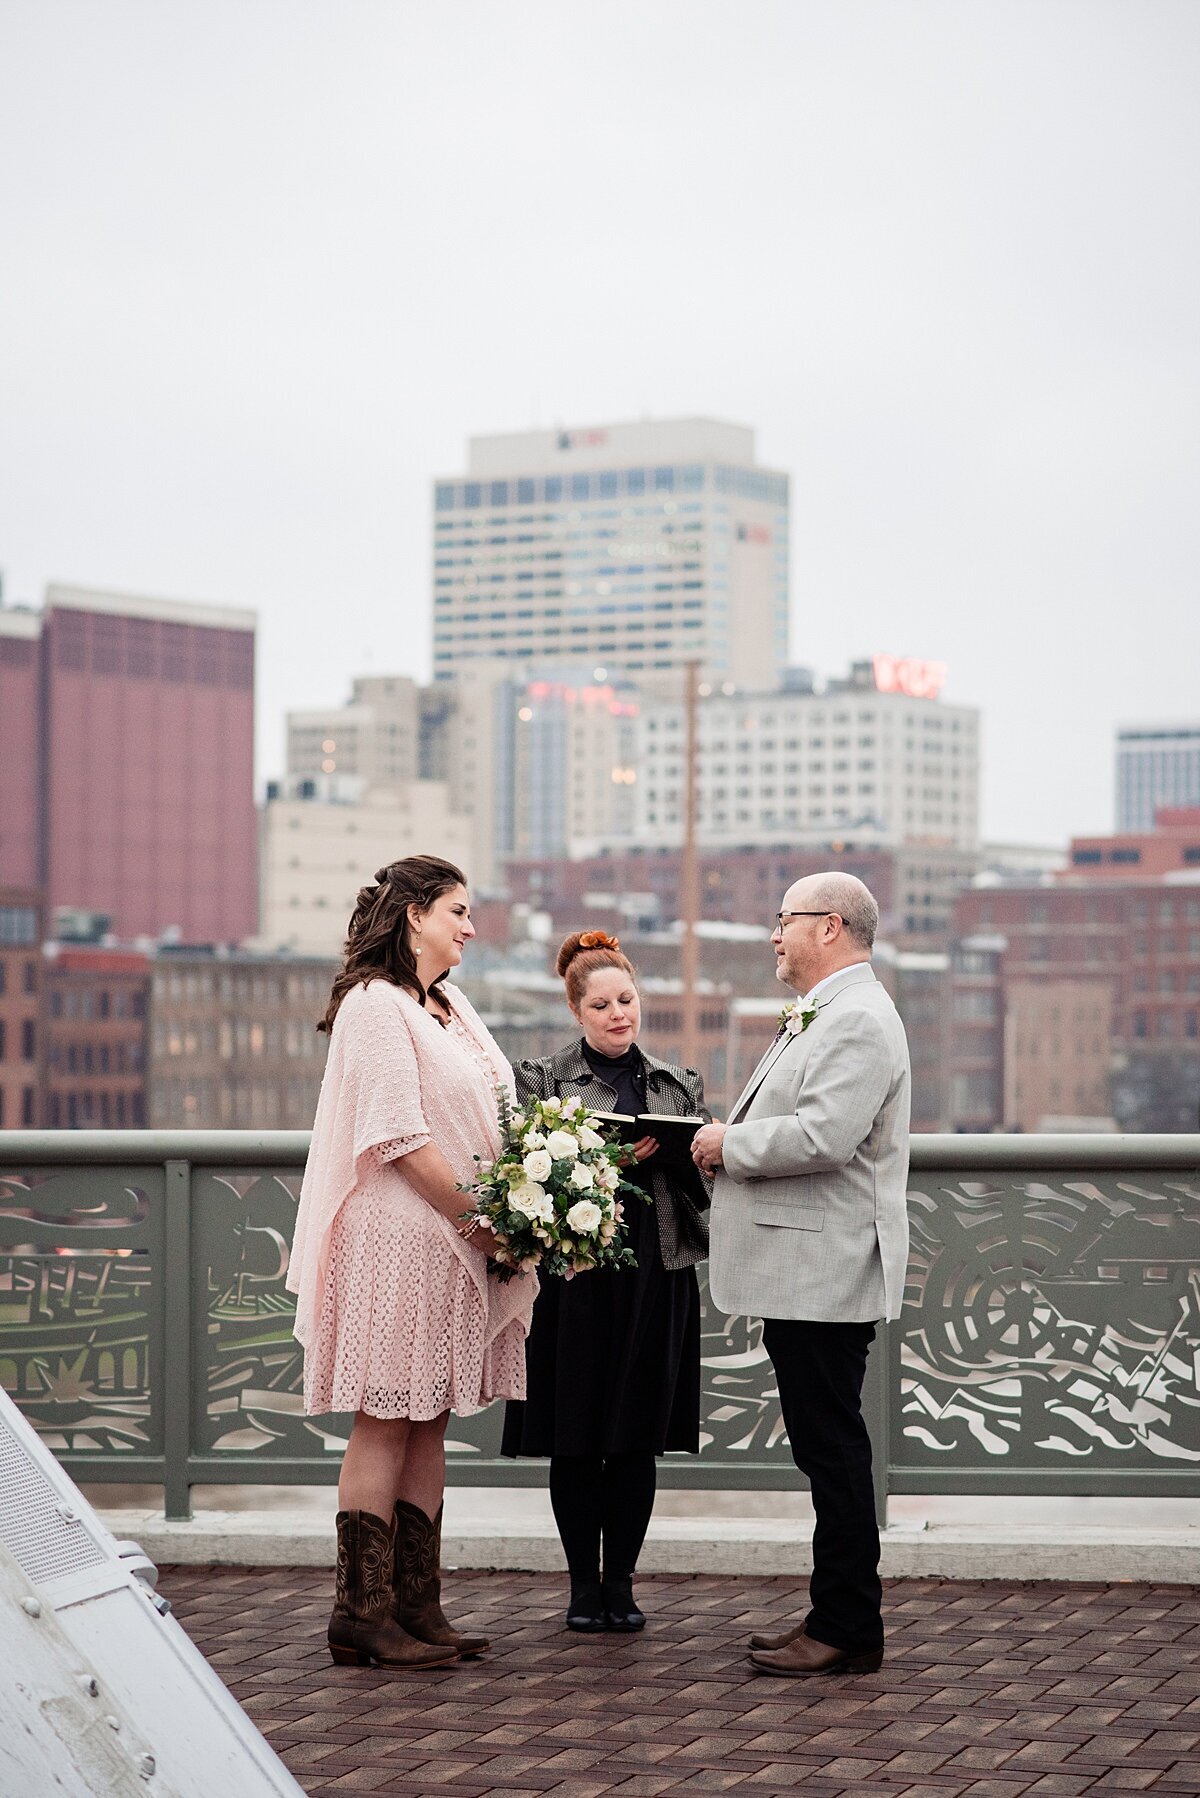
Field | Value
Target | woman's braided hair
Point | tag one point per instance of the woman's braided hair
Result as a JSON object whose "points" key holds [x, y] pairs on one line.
{"points": [[378, 942]]}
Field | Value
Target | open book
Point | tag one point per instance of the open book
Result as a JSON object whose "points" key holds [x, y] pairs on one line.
{"points": [[673, 1134]]}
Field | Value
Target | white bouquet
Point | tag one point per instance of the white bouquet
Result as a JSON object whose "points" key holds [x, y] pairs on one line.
{"points": [[552, 1198]]}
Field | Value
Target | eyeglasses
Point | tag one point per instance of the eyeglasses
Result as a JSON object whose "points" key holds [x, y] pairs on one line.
{"points": [[781, 917]]}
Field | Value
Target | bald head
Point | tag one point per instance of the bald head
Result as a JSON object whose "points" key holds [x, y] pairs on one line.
{"points": [[850, 899], [828, 922]]}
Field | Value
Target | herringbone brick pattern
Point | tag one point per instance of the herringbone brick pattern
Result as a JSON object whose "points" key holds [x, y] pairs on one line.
{"points": [[990, 1690]]}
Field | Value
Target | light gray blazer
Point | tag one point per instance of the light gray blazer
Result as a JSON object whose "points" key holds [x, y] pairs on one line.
{"points": [[809, 1216]]}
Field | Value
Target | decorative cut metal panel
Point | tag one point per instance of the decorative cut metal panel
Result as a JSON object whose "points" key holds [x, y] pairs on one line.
{"points": [[1050, 1323], [740, 1422], [250, 1368], [1051, 1329], [80, 1306]]}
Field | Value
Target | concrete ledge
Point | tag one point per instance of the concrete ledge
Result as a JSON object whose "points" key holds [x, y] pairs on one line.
{"points": [[720, 1545]]}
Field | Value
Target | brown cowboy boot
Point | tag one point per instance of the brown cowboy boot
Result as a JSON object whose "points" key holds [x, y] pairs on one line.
{"points": [[417, 1605], [362, 1629], [783, 1640], [804, 1656]]}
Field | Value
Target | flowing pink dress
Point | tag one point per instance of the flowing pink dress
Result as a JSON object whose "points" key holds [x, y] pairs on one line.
{"points": [[396, 1313]]}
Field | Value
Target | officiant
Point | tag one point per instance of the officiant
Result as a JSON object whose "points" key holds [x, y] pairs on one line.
{"points": [[613, 1356]]}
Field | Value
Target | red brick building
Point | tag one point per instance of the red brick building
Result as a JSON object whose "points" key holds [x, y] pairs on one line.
{"points": [[1173, 847], [20, 1034], [126, 786], [19, 708], [915, 885], [1122, 949], [1142, 937], [94, 1012]]}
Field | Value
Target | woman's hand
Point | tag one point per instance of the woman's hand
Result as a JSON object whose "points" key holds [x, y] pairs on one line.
{"points": [[644, 1148]]}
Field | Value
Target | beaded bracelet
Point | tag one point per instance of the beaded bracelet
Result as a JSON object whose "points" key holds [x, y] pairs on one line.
{"points": [[467, 1230]]}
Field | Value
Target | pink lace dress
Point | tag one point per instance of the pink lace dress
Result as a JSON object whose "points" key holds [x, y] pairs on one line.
{"points": [[396, 1313]]}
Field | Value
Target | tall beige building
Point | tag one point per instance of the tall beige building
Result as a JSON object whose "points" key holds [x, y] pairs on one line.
{"points": [[376, 736], [629, 548], [321, 841]]}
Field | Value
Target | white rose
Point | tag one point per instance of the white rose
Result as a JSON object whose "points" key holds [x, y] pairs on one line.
{"points": [[590, 1139], [537, 1164], [562, 1145], [582, 1177], [607, 1177], [529, 1199], [571, 1106], [534, 1139], [584, 1216]]}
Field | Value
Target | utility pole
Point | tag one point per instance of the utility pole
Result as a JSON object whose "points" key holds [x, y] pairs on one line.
{"points": [[689, 874]]}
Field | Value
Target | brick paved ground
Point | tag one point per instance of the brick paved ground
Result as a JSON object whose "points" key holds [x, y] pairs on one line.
{"points": [[988, 1689]]}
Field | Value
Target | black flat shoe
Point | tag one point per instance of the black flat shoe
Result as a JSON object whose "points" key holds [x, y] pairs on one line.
{"points": [[586, 1610], [620, 1605]]}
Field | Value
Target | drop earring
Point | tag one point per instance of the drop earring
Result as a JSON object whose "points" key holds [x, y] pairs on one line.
{"points": [[417, 949]]}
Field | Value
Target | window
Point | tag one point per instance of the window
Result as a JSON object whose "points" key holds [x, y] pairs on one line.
{"points": [[28, 1040], [18, 925]]}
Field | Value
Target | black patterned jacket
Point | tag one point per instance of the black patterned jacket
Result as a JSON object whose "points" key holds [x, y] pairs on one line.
{"points": [[678, 1092]]}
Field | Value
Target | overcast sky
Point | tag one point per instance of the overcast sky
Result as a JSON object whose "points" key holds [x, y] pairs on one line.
{"points": [[268, 263]]}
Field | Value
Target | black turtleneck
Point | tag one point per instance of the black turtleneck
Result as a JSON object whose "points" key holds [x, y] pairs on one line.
{"points": [[625, 1073]]}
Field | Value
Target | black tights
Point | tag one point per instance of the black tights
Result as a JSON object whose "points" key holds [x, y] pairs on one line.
{"points": [[609, 1497]]}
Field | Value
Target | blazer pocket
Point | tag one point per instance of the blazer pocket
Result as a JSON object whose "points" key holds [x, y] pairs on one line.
{"points": [[789, 1217]]}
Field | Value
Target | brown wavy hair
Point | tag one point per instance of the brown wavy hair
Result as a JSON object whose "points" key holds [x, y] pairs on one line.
{"points": [[377, 942], [582, 955]]}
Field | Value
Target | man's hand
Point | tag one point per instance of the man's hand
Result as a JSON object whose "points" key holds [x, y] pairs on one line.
{"points": [[706, 1147]]}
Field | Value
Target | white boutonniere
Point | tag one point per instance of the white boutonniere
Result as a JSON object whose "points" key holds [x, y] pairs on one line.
{"points": [[794, 1020]]}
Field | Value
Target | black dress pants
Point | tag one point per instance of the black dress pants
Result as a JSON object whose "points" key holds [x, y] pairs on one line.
{"points": [[820, 1369]]}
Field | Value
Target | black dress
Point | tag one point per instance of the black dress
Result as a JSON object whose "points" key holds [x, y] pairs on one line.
{"points": [[613, 1356]]}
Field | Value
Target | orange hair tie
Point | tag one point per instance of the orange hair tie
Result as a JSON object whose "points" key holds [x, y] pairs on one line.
{"points": [[598, 939]]}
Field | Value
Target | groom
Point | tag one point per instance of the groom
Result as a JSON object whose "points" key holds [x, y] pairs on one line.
{"points": [[810, 1232]]}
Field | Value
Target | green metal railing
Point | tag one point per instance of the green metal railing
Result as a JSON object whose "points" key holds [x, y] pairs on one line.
{"points": [[1050, 1341]]}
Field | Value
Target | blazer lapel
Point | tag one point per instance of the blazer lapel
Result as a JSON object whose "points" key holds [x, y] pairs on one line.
{"points": [[861, 971], [761, 1071]]}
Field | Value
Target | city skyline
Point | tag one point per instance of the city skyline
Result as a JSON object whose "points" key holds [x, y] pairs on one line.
{"points": [[939, 259]]}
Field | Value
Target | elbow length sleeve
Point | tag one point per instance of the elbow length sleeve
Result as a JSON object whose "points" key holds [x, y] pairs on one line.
{"points": [[384, 1064]]}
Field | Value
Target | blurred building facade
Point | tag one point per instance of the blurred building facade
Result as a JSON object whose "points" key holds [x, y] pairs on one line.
{"points": [[95, 1002], [20, 1007], [138, 798], [632, 548], [234, 1041], [916, 885], [21, 710], [1157, 765], [324, 836], [862, 758], [1080, 999]]}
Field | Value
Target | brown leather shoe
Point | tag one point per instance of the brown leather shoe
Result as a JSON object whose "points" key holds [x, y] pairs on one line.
{"points": [[804, 1656], [781, 1641]]}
